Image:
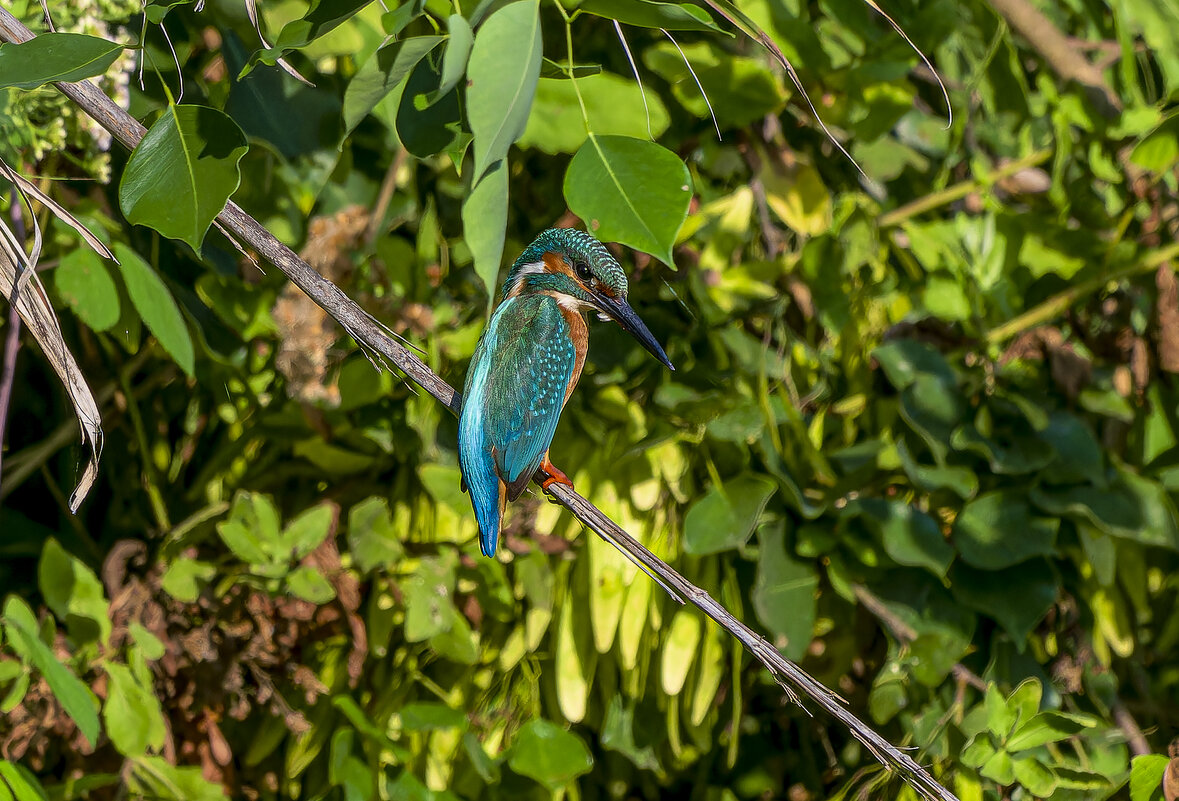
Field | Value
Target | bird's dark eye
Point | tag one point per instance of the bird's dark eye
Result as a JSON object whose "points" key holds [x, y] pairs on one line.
{"points": [[582, 269]]}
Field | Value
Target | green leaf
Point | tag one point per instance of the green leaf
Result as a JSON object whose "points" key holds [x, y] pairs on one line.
{"points": [[132, 713], [429, 716], [50, 57], [784, 593], [999, 768], [1078, 454], [910, 537], [680, 650], [501, 80], [321, 18], [21, 782], [155, 305], [74, 594], [651, 14], [270, 105], [1146, 777], [1047, 727], [549, 754], [425, 128], [990, 592], [156, 778], [184, 577], [613, 104], [428, 602], [382, 74], [903, 360], [630, 191], [85, 283], [1132, 507], [621, 732], [182, 173], [724, 518], [485, 219], [1159, 151], [307, 531], [252, 531], [741, 90], [308, 583], [23, 635], [373, 537], [454, 59], [962, 481], [997, 529], [1035, 776]]}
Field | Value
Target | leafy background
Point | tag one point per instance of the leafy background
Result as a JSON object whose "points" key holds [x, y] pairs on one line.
{"points": [[922, 430]]}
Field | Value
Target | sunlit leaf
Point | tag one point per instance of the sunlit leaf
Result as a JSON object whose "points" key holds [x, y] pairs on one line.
{"points": [[182, 172], [501, 80], [50, 57]]}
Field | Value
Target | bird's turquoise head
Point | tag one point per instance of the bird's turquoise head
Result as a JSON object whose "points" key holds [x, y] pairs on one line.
{"points": [[580, 273]]}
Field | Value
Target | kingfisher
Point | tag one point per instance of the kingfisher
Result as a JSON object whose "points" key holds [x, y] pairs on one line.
{"points": [[527, 362]]}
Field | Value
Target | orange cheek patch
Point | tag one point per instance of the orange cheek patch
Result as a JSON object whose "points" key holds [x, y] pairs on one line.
{"points": [[555, 263]]}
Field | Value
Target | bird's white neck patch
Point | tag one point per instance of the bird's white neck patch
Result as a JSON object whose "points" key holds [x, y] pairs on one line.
{"points": [[570, 303], [532, 268]]}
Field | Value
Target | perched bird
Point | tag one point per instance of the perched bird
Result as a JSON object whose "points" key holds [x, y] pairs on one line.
{"points": [[527, 363]]}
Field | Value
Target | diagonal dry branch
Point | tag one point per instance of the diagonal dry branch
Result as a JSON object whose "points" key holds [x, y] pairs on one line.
{"points": [[368, 332]]}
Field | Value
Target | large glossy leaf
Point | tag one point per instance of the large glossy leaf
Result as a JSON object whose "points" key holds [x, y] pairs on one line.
{"points": [[382, 74], [51, 57], [155, 305], [485, 219], [182, 172], [501, 80], [651, 14], [630, 191], [23, 635]]}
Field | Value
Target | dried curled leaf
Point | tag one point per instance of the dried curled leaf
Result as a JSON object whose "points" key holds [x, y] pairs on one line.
{"points": [[21, 286]]}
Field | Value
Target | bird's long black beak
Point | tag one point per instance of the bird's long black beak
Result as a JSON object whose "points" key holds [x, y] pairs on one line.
{"points": [[621, 312]]}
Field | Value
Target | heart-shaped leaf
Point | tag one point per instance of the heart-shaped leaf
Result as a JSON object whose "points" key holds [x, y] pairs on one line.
{"points": [[630, 191], [182, 172]]}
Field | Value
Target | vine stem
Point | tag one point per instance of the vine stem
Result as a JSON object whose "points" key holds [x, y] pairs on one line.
{"points": [[903, 214], [1061, 301], [368, 332]]}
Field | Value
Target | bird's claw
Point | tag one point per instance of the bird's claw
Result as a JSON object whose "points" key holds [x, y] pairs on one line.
{"points": [[556, 476]]}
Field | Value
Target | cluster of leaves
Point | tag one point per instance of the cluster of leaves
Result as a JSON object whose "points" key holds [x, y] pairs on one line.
{"points": [[922, 429]]}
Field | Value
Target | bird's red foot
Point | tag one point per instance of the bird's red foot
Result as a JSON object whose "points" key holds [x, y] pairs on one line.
{"points": [[556, 476]]}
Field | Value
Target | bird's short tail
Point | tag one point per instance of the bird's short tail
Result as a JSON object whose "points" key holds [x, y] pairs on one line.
{"points": [[488, 495]]}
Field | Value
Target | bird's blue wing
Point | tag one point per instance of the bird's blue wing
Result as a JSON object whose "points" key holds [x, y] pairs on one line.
{"points": [[526, 386]]}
